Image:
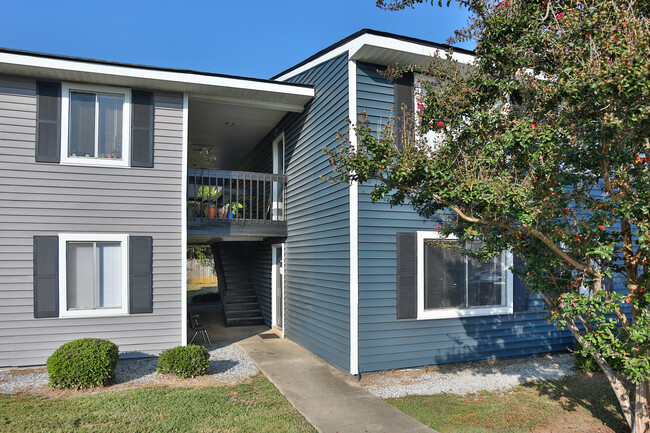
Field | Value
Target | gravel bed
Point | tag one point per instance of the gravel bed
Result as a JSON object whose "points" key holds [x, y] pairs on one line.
{"points": [[468, 378], [228, 364]]}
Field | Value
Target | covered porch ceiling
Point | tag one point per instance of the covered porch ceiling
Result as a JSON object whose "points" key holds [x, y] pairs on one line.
{"points": [[229, 129]]}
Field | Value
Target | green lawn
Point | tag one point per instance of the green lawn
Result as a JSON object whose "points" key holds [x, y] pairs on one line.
{"points": [[200, 289], [254, 407], [576, 403]]}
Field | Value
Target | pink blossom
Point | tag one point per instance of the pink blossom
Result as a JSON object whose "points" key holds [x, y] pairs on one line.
{"points": [[440, 124], [420, 106], [559, 16]]}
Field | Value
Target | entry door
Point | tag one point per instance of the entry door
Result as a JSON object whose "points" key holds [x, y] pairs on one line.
{"points": [[278, 285]]}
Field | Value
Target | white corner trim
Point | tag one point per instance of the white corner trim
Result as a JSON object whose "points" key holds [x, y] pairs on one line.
{"points": [[64, 238], [183, 200], [354, 229]]}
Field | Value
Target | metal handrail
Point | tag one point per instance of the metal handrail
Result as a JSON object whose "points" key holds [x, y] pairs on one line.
{"points": [[235, 195]]}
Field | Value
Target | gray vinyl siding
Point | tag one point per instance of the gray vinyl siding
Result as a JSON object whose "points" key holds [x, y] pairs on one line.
{"points": [[317, 251], [49, 198], [384, 341]]}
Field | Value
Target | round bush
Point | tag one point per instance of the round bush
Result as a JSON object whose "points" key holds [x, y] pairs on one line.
{"points": [[184, 361], [82, 363]]}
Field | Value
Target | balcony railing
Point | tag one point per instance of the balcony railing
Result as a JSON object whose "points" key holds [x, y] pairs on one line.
{"points": [[218, 198]]}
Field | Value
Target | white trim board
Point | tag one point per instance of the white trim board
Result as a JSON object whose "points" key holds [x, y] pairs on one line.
{"points": [[185, 152], [354, 228], [52, 64], [356, 50]]}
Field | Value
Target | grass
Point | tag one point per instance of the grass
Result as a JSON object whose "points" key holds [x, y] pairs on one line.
{"points": [[200, 289], [580, 402], [254, 407]]}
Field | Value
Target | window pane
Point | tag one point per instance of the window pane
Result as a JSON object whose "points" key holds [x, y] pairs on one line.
{"points": [[486, 280], [82, 125], [110, 126], [110, 271], [444, 277], [81, 280]]}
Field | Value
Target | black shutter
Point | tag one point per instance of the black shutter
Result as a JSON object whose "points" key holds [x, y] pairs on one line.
{"points": [[140, 274], [46, 276], [48, 122], [519, 291], [403, 93], [142, 129], [406, 275]]}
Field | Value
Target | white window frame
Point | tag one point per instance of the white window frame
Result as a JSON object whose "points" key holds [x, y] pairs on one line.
{"points": [[64, 238], [446, 313], [432, 137], [66, 88]]}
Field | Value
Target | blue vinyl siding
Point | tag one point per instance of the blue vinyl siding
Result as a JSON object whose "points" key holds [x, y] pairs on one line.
{"points": [[317, 282], [317, 248], [384, 341]]}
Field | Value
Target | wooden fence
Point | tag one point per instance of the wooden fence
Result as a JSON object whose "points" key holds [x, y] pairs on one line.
{"points": [[199, 274]]}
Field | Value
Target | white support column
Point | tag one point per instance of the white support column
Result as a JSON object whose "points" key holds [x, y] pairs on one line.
{"points": [[183, 258]]}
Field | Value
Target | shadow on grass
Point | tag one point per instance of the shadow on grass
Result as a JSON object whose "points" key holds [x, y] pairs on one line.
{"points": [[588, 391]]}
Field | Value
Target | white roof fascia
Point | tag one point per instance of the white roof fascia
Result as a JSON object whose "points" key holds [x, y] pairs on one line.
{"points": [[354, 48], [349, 47], [412, 48], [63, 65]]}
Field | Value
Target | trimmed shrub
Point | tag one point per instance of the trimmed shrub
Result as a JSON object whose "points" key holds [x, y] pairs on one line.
{"points": [[184, 361], [83, 363]]}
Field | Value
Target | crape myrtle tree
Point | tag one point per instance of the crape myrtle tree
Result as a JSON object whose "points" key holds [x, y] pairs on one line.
{"points": [[542, 148]]}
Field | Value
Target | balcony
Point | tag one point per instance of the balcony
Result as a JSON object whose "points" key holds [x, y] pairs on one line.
{"points": [[234, 205]]}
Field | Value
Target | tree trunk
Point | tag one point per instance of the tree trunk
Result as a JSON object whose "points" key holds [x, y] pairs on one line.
{"points": [[617, 386], [641, 422]]}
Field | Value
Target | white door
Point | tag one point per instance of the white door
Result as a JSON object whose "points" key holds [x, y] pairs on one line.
{"points": [[277, 282]]}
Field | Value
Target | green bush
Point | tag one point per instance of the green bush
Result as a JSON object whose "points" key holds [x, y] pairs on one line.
{"points": [[184, 361], [82, 363]]}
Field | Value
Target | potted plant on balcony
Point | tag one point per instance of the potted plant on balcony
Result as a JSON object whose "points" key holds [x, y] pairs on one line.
{"points": [[230, 209], [204, 203], [208, 195]]}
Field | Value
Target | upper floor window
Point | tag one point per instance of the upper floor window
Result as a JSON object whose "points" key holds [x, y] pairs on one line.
{"points": [[95, 125]]}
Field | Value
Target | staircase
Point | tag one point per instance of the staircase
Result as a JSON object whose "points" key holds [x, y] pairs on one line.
{"points": [[238, 296]]}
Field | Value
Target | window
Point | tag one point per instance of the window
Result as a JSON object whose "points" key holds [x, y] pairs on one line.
{"points": [[432, 137], [451, 285], [93, 275], [95, 125]]}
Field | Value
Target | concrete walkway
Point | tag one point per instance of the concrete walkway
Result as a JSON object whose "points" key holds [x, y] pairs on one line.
{"points": [[330, 401]]}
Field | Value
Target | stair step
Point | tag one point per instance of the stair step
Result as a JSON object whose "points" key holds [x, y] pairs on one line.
{"points": [[242, 306], [245, 321], [241, 299], [240, 314]]}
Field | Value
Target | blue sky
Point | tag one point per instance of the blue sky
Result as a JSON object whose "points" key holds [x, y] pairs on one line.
{"points": [[253, 38]]}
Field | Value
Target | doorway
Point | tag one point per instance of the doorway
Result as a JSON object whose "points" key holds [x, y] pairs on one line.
{"points": [[277, 282]]}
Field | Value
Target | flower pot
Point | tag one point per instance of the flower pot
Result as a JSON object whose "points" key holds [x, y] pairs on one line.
{"points": [[212, 212], [220, 213], [230, 216]]}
